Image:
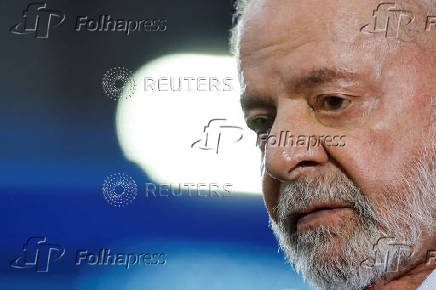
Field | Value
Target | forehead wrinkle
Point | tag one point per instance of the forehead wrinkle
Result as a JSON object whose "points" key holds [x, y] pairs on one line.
{"points": [[271, 48], [260, 55]]}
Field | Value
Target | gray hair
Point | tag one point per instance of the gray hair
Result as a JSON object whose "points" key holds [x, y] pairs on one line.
{"points": [[240, 8]]}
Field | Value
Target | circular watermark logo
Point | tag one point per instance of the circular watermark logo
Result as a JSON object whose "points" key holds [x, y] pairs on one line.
{"points": [[119, 189], [118, 80]]}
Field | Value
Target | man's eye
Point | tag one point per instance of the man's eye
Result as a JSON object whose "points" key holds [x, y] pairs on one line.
{"points": [[330, 103], [260, 124]]}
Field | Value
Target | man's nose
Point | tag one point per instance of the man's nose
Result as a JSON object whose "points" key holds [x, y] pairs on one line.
{"points": [[300, 150]]}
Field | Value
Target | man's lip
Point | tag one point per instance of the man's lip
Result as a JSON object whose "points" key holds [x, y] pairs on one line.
{"points": [[317, 207]]}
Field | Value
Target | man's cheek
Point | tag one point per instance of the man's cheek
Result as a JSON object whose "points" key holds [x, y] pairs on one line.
{"points": [[359, 163], [271, 193], [433, 120], [378, 145]]}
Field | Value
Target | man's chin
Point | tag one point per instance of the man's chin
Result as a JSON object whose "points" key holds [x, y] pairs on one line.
{"points": [[326, 242], [327, 256]]}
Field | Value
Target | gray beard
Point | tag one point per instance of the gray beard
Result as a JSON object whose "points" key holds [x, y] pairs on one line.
{"points": [[334, 257]]}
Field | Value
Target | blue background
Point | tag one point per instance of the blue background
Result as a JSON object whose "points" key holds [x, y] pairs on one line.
{"points": [[58, 144]]}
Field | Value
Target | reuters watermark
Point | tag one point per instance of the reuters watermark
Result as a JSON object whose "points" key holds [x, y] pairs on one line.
{"points": [[193, 190], [120, 190], [188, 84], [286, 138], [119, 82]]}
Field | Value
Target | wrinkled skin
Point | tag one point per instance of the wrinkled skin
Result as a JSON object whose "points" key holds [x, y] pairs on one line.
{"points": [[378, 95]]}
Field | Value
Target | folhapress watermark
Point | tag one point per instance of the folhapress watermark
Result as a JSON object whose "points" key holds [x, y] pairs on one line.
{"points": [[388, 255], [105, 23], [286, 138], [430, 258], [393, 21], [105, 257], [38, 19], [218, 131], [38, 254]]}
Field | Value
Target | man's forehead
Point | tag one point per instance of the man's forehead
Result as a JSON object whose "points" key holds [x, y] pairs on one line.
{"points": [[275, 24], [281, 39]]}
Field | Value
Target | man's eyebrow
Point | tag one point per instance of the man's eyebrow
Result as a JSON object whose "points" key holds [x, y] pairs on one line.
{"points": [[315, 77], [318, 77], [249, 102]]}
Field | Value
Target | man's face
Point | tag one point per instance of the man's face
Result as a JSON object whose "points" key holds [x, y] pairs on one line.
{"points": [[307, 69]]}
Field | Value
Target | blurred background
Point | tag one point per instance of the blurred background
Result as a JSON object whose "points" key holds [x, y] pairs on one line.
{"points": [[62, 136]]}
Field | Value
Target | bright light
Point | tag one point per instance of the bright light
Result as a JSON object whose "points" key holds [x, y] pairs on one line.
{"points": [[156, 129]]}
